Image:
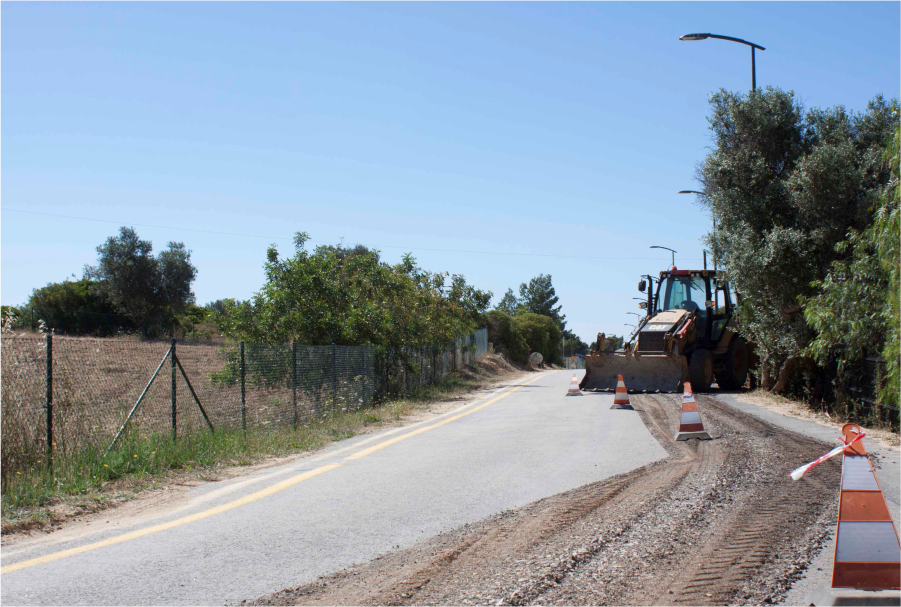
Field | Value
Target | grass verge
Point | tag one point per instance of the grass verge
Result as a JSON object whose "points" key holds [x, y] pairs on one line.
{"points": [[86, 481]]}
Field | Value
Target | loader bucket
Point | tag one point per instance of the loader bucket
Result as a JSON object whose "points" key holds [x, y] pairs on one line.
{"points": [[647, 373]]}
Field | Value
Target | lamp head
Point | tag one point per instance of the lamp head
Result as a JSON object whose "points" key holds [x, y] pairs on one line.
{"points": [[690, 37]]}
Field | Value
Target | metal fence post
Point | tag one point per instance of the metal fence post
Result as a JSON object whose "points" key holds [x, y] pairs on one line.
{"points": [[174, 419], [49, 399], [334, 376], [365, 377], [294, 380], [243, 401]]}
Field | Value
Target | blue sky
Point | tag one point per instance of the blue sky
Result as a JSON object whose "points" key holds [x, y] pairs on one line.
{"points": [[498, 141]]}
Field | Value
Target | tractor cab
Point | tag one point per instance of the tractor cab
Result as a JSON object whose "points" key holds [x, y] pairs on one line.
{"points": [[694, 291]]}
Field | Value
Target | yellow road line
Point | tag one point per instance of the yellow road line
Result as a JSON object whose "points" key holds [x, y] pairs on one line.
{"points": [[247, 499], [397, 439], [289, 482]]}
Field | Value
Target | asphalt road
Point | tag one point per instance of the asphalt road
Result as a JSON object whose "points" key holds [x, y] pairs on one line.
{"points": [[361, 498]]}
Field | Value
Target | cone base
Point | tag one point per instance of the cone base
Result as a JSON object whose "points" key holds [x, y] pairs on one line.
{"points": [[825, 596], [619, 406], [702, 435], [574, 394]]}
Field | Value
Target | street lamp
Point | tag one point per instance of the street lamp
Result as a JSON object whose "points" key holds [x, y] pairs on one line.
{"points": [[668, 249], [692, 192], [692, 37]]}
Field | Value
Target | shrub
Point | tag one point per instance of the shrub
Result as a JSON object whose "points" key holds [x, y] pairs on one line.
{"points": [[541, 334], [77, 308], [506, 337]]}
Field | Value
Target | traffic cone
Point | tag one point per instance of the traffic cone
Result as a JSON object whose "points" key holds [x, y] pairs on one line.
{"points": [[574, 387], [867, 565], [621, 397], [690, 425]]}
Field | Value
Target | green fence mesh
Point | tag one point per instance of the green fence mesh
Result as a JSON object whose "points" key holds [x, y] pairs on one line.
{"points": [[96, 382]]}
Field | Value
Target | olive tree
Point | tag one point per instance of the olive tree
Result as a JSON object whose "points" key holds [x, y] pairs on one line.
{"points": [[148, 290], [785, 186]]}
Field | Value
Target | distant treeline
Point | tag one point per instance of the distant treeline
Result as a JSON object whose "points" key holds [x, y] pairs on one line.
{"points": [[332, 295], [532, 322]]}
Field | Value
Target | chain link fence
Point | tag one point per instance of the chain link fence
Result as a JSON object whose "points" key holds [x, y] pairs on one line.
{"points": [[99, 384]]}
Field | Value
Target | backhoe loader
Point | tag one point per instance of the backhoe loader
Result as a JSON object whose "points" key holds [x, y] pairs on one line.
{"points": [[689, 334]]}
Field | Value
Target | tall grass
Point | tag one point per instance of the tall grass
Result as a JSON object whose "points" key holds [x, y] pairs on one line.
{"points": [[142, 459]]}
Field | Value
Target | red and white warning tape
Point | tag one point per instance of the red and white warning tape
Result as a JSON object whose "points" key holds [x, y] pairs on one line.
{"points": [[799, 472]]}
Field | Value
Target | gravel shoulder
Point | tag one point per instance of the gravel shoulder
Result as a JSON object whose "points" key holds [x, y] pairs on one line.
{"points": [[717, 522]]}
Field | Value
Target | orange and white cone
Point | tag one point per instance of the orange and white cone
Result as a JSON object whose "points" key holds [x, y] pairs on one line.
{"points": [[690, 424], [621, 397], [574, 387], [867, 566]]}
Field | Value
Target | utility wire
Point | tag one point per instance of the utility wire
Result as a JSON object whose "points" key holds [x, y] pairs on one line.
{"points": [[147, 225]]}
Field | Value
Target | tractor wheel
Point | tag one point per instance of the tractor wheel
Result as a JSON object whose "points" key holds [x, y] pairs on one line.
{"points": [[736, 362], [700, 370]]}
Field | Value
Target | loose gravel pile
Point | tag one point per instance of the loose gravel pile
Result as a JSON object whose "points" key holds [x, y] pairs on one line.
{"points": [[718, 522]]}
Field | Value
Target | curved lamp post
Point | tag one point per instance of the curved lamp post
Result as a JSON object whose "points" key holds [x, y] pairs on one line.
{"points": [[754, 47], [668, 249]]}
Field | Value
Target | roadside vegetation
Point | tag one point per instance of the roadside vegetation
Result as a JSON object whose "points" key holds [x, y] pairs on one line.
{"points": [[86, 481], [330, 295], [806, 210], [350, 297], [532, 322]]}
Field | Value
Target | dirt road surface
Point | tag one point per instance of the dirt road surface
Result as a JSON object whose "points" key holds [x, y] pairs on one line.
{"points": [[717, 522]]}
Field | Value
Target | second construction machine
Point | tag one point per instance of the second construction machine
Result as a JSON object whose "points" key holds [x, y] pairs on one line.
{"points": [[688, 334]]}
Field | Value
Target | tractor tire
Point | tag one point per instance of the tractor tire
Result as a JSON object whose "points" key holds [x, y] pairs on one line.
{"points": [[736, 362], [700, 370]]}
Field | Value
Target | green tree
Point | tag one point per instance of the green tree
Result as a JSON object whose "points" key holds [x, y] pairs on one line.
{"points": [[541, 334], [148, 290], [573, 345], [506, 337], [77, 308], [508, 304], [348, 296], [539, 297], [887, 236], [785, 186]]}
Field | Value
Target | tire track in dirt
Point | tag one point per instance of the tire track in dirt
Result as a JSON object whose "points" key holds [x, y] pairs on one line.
{"points": [[717, 522]]}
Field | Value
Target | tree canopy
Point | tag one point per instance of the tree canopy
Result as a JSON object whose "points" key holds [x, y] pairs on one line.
{"points": [[348, 296], [539, 297], [148, 290], [789, 189], [77, 307]]}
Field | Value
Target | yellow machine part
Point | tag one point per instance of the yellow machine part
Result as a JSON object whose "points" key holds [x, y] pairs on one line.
{"points": [[641, 373]]}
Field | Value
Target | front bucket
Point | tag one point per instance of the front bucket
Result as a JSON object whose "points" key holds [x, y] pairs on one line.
{"points": [[647, 373]]}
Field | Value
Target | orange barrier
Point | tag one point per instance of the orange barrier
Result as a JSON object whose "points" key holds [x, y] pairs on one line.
{"points": [[574, 387], [867, 566], [690, 424], [621, 398]]}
